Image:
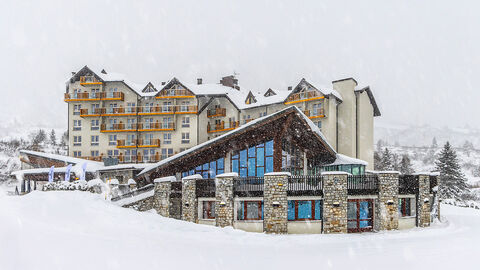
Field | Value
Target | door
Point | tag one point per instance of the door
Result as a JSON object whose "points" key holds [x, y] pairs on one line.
{"points": [[360, 215]]}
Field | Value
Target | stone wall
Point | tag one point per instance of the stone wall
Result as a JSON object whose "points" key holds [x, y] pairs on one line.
{"points": [[142, 205], [121, 175], [335, 202], [189, 199], [162, 198], [224, 199], [275, 203], [388, 200], [424, 201]]}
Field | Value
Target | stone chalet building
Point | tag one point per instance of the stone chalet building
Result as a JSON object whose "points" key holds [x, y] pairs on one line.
{"points": [[293, 161]]}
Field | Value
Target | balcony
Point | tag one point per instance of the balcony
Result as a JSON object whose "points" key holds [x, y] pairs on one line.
{"points": [[95, 158], [222, 126], [85, 96], [113, 96], [90, 113], [167, 126], [186, 109], [217, 112], [121, 127], [176, 94], [119, 111], [89, 80], [148, 143], [126, 143], [244, 121], [304, 96], [156, 110], [138, 158], [317, 113]]}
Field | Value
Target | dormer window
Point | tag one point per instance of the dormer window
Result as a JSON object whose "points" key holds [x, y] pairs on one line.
{"points": [[250, 98]]}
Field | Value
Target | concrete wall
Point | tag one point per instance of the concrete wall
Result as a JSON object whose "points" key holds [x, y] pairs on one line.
{"points": [[365, 129], [346, 117]]}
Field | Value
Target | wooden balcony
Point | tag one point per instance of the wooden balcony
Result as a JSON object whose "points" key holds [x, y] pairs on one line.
{"points": [[304, 96], [121, 127], [186, 109], [89, 80], [175, 94], [89, 113], [113, 96], [157, 126], [318, 113], [95, 158], [156, 110], [217, 112], [139, 158], [85, 96], [148, 144], [247, 120], [119, 111], [222, 126], [126, 144]]}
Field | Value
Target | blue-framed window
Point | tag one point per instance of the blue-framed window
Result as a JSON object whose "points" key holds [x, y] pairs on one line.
{"points": [[250, 210], [209, 169], [304, 210], [254, 161]]}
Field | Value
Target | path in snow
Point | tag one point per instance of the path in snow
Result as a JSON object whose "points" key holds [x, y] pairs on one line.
{"points": [[78, 230]]}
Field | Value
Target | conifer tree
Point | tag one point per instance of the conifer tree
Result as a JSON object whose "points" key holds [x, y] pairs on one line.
{"points": [[53, 138], [405, 166], [377, 161], [452, 182], [387, 160]]}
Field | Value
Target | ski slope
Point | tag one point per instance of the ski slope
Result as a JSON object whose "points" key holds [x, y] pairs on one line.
{"points": [[79, 230]]}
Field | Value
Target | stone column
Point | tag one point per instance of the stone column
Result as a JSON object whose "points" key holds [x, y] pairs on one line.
{"points": [[335, 202], [275, 202], [423, 203], [161, 196], [224, 199], [388, 200], [189, 198]]}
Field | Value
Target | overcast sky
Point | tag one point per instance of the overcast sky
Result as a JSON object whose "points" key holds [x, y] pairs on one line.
{"points": [[422, 60]]}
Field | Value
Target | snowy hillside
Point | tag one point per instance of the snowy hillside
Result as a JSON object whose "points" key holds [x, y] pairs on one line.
{"points": [[55, 230]]}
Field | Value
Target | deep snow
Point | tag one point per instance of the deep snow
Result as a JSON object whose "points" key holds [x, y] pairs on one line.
{"points": [[79, 230]]}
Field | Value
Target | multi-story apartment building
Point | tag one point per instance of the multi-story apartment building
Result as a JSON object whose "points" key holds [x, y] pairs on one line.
{"points": [[109, 116]]}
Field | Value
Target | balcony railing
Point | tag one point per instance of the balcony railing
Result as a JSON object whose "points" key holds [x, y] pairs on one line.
{"points": [[126, 143], [139, 158], [304, 96], [157, 126], [117, 127], [217, 112], [314, 113], [362, 184], [93, 158], [222, 126], [113, 96], [301, 185], [248, 187], [176, 94], [87, 112], [184, 109], [86, 96], [88, 80], [151, 110], [148, 143]]}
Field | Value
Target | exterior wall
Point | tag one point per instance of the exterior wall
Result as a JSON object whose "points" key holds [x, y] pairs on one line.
{"points": [[142, 205], [329, 123], [424, 200], [275, 203], [246, 225], [365, 129], [305, 227], [406, 223], [189, 200], [346, 118], [335, 202], [224, 200], [162, 198], [388, 200]]}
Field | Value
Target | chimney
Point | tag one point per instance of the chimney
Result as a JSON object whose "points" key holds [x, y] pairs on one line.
{"points": [[289, 88], [103, 71], [73, 73], [199, 80], [230, 81], [163, 83]]}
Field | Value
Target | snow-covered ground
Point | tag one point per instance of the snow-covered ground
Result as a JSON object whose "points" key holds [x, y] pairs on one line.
{"points": [[79, 230]]}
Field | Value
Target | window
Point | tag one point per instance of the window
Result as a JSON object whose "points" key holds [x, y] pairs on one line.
{"points": [[292, 158], [317, 109], [186, 137], [305, 210], [254, 161], [167, 138], [131, 123], [360, 215], [112, 153], [95, 125], [404, 207], [94, 153], [77, 153], [167, 152], [250, 210], [130, 140], [77, 140], [77, 124], [112, 139], [130, 107], [208, 170], [185, 122], [95, 109], [76, 109], [208, 210], [148, 139], [94, 140]]}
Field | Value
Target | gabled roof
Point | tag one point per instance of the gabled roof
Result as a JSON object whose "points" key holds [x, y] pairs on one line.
{"points": [[326, 91], [310, 134], [149, 88], [376, 110], [269, 93]]}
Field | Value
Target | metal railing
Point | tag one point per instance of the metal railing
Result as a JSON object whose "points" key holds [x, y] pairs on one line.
{"points": [[304, 95], [299, 185], [216, 112], [176, 189], [362, 184], [248, 187]]}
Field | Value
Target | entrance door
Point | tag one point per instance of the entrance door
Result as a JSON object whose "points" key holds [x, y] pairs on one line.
{"points": [[360, 215]]}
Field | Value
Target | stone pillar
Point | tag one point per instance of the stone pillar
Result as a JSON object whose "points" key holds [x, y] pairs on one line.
{"points": [[275, 203], [335, 202], [388, 200], [189, 198], [224, 199], [161, 196], [423, 203]]}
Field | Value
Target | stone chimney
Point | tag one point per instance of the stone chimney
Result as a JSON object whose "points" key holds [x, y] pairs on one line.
{"points": [[230, 81], [199, 81]]}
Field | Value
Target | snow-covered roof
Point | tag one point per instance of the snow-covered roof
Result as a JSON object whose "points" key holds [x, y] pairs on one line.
{"points": [[66, 159], [165, 179], [314, 128], [343, 160], [131, 182]]}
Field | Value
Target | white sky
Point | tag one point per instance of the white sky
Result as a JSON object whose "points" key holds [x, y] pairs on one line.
{"points": [[421, 59]]}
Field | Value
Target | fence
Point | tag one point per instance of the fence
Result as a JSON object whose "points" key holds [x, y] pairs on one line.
{"points": [[248, 187], [304, 185], [362, 184]]}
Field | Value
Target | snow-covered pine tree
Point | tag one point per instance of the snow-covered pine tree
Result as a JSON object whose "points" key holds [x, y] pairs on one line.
{"points": [[377, 161], [395, 162], [452, 182], [405, 165], [53, 138], [387, 160], [434, 143]]}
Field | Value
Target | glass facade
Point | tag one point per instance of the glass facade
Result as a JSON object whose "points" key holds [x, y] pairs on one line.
{"points": [[254, 161], [208, 170]]}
